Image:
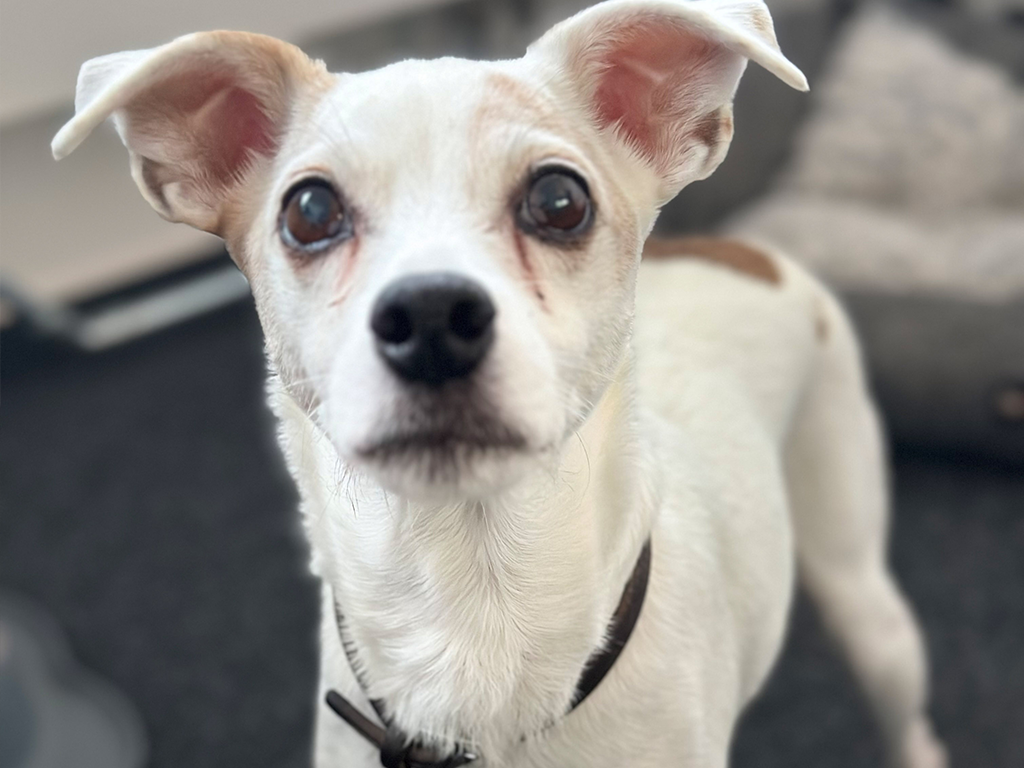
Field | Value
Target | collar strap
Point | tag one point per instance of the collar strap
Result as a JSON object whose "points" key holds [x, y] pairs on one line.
{"points": [[397, 750], [621, 627]]}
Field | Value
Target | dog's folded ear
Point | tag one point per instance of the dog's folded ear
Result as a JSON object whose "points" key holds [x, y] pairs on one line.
{"points": [[660, 75], [197, 115]]}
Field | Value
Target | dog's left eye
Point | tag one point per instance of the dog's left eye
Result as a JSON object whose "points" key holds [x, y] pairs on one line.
{"points": [[557, 205], [313, 216]]}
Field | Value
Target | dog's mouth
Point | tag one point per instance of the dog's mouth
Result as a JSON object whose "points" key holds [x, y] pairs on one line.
{"points": [[445, 443], [443, 440]]}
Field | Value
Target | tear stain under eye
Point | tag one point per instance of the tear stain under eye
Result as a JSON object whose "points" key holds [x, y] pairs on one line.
{"points": [[524, 260], [344, 285]]}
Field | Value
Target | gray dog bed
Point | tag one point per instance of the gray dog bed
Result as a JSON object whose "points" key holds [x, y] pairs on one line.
{"points": [[906, 192]]}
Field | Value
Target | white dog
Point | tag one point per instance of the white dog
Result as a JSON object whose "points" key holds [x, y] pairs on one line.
{"points": [[490, 407]]}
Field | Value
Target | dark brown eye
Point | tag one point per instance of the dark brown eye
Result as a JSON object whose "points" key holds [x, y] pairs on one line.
{"points": [[313, 216], [557, 205]]}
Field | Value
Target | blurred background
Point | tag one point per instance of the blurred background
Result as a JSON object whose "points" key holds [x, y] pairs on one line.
{"points": [[155, 607]]}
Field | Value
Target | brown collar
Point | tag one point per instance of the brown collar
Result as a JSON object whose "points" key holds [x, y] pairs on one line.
{"points": [[398, 750]]}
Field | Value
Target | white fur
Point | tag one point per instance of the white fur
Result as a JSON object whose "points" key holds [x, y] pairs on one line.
{"points": [[724, 423]]}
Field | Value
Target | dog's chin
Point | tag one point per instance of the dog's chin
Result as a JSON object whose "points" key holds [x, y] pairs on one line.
{"points": [[445, 464]]}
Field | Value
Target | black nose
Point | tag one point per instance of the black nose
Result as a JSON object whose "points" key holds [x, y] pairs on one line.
{"points": [[433, 327]]}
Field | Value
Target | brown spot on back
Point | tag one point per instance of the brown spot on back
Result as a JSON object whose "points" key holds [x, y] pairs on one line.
{"points": [[729, 253]]}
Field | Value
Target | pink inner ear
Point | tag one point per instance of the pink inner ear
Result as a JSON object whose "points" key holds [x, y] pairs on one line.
{"points": [[647, 70], [231, 126], [204, 120]]}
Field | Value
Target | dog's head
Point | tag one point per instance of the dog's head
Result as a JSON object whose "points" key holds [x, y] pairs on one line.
{"points": [[443, 252]]}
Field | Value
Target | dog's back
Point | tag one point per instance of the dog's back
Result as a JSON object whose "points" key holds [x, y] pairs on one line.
{"points": [[724, 314], [756, 368]]}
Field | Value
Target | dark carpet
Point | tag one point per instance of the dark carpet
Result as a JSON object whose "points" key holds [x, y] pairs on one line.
{"points": [[144, 505]]}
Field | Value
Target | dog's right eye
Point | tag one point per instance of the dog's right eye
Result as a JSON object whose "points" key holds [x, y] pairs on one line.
{"points": [[313, 217]]}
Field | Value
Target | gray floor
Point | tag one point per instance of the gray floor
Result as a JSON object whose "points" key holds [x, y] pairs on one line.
{"points": [[145, 506]]}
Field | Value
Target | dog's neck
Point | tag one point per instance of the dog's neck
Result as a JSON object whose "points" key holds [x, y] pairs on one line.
{"points": [[472, 621]]}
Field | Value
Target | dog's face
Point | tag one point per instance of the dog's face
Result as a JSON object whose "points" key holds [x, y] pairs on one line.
{"points": [[443, 253], [448, 255]]}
